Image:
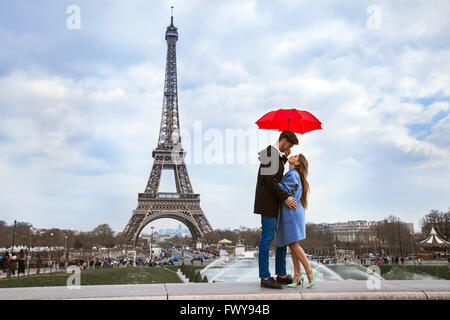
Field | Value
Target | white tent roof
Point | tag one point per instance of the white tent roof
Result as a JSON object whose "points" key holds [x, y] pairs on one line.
{"points": [[224, 241], [434, 238]]}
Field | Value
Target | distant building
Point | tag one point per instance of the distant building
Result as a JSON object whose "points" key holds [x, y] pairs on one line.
{"points": [[178, 232], [347, 231], [408, 226], [350, 231], [418, 236]]}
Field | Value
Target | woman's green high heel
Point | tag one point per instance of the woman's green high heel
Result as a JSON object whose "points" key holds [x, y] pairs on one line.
{"points": [[295, 284], [313, 282]]}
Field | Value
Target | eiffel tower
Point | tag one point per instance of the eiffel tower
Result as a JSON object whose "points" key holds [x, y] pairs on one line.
{"points": [[183, 205]]}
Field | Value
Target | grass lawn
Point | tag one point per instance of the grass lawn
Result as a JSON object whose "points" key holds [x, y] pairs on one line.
{"points": [[131, 275], [175, 268]]}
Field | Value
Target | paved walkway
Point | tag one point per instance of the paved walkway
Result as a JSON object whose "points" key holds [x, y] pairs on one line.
{"points": [[348, 289]]}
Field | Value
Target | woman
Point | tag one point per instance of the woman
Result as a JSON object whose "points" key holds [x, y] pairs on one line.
{"points": [[38, 263], [21, 268], [291, 222], [13, 264]]}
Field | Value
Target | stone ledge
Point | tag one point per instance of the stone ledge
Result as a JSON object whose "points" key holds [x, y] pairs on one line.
{"points": [[323, 290], [400, 295]]}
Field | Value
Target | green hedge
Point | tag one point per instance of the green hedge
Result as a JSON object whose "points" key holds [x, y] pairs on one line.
{"points": [[439, 271], [198, 277]]}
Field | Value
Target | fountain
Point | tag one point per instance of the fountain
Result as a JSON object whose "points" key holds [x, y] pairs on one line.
{"points": [[354, 272], [401, 274], [246, 270]]}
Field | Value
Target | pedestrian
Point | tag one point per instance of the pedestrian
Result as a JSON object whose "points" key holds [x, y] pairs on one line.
{"points": [[7, 261], [13, 264], [38, 263], [21, 268]]}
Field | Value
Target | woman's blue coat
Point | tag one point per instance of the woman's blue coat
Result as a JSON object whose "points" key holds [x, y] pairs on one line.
{"points": [[291, 223]]}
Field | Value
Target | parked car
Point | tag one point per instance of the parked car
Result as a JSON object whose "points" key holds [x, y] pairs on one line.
{"points": [[197, 259]]}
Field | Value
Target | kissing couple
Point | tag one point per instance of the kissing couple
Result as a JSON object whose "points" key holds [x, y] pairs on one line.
{"points": [[281, 201]]}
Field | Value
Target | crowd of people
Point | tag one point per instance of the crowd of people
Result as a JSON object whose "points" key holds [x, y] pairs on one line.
{"points": [[11, 262], [398, 260], [109, 262], [15, 264], [384, 260]]}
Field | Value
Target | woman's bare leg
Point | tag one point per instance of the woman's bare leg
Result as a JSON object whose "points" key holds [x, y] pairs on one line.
{"points": [[302, 257], [296, 261]]}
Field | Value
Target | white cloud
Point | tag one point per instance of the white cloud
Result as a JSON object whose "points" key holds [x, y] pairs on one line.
{"points": [[93, 132]]}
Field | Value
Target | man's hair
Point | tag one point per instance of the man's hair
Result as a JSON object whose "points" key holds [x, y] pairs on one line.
{"points": [[290, 137]]}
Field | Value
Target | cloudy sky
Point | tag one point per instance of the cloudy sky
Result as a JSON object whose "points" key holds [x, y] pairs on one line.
{"points": [[80, 108]]}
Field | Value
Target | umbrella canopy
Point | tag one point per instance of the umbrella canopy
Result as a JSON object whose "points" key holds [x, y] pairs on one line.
{"points": [[224, 241], [294, 120]]}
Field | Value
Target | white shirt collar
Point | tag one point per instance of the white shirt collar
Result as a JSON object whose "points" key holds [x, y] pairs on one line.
{"points": [[281, 154]]}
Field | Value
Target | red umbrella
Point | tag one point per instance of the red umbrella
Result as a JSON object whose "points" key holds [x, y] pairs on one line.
{"points": [[294, 120]]}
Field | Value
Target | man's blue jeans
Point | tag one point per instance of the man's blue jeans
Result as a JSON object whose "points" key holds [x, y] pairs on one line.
{"points": [[269, 226]]}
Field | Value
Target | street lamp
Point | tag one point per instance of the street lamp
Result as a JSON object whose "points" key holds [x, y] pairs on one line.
{"points": [[50, 255], [151, 245], [335, 255], [30, 230], [149, 251], [399, 237], [65, 252], [14, 236]]}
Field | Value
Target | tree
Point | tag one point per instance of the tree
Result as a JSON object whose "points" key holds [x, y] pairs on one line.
{"points": [[250, 237], [198, 277], [104, 235], [187, 270], [216, 235], [191, 275], [440, 221], [78, 244], [392, 234], [5, 235]]}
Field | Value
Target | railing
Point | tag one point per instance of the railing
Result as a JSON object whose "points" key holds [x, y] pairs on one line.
{"points": [[168, 195]]}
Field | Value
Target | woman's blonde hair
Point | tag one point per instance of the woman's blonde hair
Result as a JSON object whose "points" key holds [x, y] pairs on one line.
{"points": [[302, 169]]}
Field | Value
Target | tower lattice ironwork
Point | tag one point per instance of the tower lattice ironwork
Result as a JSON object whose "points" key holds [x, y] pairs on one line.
{"points": [[182, 205]]}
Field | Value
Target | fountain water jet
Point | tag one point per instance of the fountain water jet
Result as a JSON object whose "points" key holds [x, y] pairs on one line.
{"points": [[246, 270]]}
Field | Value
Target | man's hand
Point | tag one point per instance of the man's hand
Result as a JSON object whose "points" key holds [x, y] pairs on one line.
{"points": [[291, 203], [287, 152]]}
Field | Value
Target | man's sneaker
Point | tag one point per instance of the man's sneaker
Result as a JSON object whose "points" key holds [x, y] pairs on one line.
{"points": [[285, 280], [270, 283]]}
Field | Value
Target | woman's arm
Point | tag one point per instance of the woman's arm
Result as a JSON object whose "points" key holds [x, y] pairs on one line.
{"points": [[289, 183]]}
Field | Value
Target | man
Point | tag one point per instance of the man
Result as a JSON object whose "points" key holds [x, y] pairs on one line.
{"points": [[268, 198]]}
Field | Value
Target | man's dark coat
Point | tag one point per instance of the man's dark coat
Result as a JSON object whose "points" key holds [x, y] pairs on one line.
{"points": [[269, 195]]}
